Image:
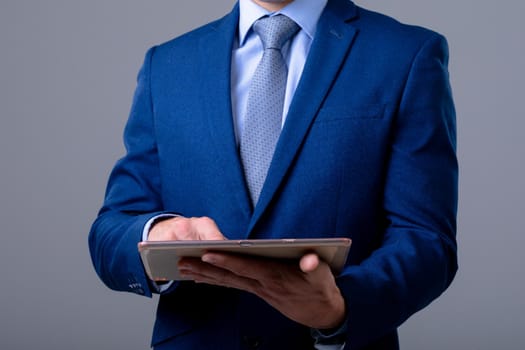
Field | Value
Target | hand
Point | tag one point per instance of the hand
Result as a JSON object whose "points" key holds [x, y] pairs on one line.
{"points": [[305, 293], [181, 228]]}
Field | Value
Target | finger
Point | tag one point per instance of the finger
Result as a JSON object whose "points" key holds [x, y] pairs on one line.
{"points": [[206, 229], [309, 263], [241, 265], [172, 229], [159, 230], [202, 272], [181, 228]]}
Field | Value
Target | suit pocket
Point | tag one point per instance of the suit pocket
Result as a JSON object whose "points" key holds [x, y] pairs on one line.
{"points": [[335, 113]]}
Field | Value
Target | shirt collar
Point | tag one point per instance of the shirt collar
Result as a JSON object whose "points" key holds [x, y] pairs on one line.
{"points": [[305, 13]]}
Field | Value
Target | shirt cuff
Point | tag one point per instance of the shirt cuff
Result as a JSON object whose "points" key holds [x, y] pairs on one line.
{"points": [[159, 288], [332, 339]]}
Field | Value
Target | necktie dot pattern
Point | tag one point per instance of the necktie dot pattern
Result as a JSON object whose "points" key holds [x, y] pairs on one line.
{"points": [[264, 110]]}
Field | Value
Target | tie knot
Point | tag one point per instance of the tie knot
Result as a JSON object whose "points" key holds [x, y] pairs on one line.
{"points": [[275, 31]]}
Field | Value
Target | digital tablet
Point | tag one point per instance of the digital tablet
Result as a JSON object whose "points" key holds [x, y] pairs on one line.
{"points": [[161, 259]]}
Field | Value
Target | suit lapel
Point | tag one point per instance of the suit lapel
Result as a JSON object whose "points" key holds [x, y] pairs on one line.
{"points": [[328, 51], [216, 54]]}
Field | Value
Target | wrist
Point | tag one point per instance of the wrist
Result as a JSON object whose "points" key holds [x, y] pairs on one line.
{"points": [[331, 336]]}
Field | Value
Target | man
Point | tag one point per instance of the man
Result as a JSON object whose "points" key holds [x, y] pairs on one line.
{"points": [[366, 151]]}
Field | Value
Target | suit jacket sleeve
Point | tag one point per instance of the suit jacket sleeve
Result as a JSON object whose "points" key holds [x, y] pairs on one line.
{"points": [[132, 198], [416, 260]]}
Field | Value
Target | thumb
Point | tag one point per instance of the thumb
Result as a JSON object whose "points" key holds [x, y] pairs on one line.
{"points": [[309, 262]]}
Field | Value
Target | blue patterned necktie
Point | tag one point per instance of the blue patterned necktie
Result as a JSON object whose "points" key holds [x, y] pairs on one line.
{"points": [[265, 102]]}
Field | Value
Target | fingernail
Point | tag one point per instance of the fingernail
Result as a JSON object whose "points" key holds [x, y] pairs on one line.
{"points": [[185, 272], [209, 258], [185, 266]]}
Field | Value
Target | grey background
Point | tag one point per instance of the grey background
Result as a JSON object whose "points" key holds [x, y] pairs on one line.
{"points": [[67, 74]]}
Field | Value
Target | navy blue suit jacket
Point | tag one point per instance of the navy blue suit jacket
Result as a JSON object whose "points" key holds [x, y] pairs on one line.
{"points": [[367, 152]]}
